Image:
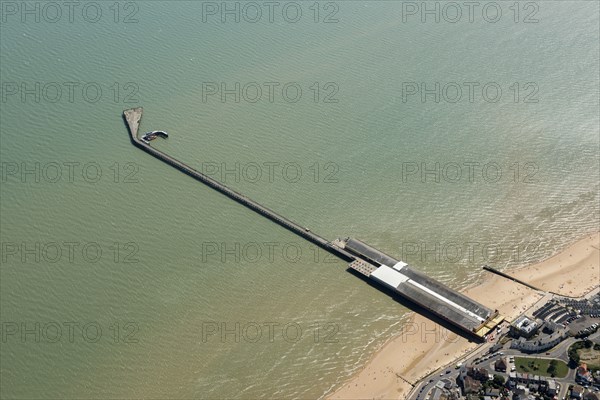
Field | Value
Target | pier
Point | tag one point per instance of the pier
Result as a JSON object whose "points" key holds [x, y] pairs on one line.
{"points": [[394, 275], [435, 297], [133, 118]]}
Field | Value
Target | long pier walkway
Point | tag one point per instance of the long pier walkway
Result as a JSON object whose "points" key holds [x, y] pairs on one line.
{"points": [[133, 117], [450, 306]]}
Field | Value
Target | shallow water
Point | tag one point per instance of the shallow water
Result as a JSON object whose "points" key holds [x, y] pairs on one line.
{"points": [[196, 277]]}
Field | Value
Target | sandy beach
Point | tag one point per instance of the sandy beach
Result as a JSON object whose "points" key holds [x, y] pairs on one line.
{"points": [[423, 346]]}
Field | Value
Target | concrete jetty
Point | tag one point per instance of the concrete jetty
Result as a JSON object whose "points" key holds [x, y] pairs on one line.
{"points": [[383, 270]]}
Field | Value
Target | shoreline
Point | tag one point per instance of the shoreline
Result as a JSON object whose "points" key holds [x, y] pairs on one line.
{"points": [[423, 346]]}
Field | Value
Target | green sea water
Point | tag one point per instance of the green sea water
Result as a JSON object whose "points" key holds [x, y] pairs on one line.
{"points": [[198, 297]]}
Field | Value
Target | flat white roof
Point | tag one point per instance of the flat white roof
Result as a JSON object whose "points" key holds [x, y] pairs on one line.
{"points": [[445, 300], [391, 277], [399, 265], [388, 276]]}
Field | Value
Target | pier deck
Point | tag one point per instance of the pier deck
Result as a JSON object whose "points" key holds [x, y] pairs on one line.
{"points": [[133, 117], [432, 295]]}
